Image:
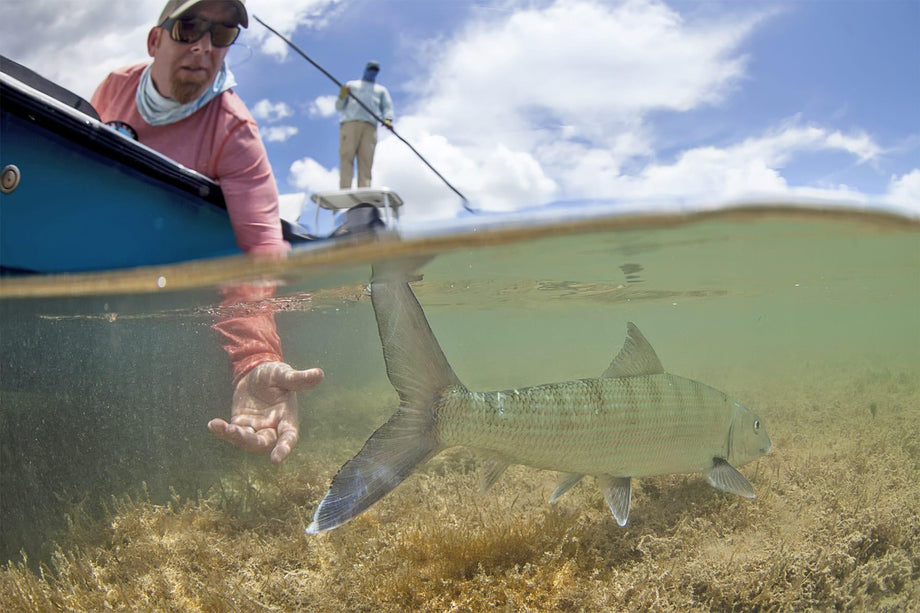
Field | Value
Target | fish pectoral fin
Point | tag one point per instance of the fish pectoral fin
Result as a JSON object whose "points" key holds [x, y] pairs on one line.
{"points": [[495, 465], [618, 494], [636, 357], [565, 483], [725, 477]]}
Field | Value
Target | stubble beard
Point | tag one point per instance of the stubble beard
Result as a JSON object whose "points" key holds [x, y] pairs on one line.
{"points": [[184, 92]]}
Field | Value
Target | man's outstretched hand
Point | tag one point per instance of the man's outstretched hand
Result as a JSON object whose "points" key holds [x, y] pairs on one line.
{"points": [[265, 409]]}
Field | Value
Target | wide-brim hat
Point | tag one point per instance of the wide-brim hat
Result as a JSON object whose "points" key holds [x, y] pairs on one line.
{"points": [[175, 8]]}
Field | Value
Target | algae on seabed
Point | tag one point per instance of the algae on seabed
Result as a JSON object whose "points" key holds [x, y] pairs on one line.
{"points": [[835, 526]]}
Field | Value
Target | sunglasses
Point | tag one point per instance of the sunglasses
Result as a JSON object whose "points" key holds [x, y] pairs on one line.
{"points": [[189, 30]]}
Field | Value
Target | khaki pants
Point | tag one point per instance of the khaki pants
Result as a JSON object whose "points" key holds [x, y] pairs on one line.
{"points": [[356, 138]]}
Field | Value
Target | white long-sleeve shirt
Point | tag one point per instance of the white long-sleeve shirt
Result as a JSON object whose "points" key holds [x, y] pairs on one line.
{"points": [[375, 96]]}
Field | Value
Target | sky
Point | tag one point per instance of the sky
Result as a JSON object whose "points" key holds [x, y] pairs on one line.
{"points": [[525, 104]]}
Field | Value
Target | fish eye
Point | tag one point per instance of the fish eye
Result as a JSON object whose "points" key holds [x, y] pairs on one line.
{"points": [[756, 426]]}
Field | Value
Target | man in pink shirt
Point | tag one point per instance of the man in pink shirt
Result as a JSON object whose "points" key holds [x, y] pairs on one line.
{"points": [[182, 105]]}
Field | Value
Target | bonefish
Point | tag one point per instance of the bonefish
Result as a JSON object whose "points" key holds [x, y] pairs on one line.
{"points": [[633, 421]]}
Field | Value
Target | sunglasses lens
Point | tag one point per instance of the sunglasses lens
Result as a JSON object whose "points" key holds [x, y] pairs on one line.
{"points": [[188, 30], [223, 36], [191, 30]]}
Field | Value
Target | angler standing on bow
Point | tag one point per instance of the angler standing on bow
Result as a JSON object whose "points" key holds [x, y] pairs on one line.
{"points": [[358, 124]]}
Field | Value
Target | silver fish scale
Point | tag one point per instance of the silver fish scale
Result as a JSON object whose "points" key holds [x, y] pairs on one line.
{"points": [[626, 427]]}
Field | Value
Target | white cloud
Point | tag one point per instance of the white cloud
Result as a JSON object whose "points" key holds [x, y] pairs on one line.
{"points": [[791, 137], [904, 191], [746, 170], [310, 175], [277, 134], [860, 145], [324, 106], [502, 177], [576, 67], [285, 16], [551, 100], [557, 101], [495, 178], [265, 110], [76, 44]]}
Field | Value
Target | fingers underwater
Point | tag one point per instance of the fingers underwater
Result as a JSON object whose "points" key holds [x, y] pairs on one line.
{"points": [[281, 374], [303, 380], [283, 447], [244, 437]]}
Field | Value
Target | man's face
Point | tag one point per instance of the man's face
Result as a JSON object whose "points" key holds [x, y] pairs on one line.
{"points": [[183, 71]]}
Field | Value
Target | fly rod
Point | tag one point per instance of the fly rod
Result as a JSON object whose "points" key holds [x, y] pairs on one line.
{"points": [[466, 203]]}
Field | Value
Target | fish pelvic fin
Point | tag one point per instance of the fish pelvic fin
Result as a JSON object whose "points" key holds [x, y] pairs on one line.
{"points": [[420, 373], [723, 476], [493, 467], [635, 358], [618, 494], [566, 482]]}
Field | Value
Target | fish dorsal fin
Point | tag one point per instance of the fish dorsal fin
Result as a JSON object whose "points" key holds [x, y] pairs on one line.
{"points": [[725, 477], [618, 494], [636, 358]]}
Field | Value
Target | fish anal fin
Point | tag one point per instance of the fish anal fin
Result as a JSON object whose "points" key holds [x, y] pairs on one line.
{"points": [[723, 476], [565, 483], [618, 494], [495, 464], [635, 358]]}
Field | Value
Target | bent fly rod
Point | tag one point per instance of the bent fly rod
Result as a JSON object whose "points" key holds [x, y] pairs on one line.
{"points": [[466, 203]]}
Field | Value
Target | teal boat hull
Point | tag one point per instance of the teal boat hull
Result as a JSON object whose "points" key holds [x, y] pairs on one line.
{"points": [[87, 198]]}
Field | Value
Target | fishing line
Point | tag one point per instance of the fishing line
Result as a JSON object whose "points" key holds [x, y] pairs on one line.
{"points": [[466, 203]]}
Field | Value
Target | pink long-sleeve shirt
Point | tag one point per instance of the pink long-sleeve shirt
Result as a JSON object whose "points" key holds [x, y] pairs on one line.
{"points": [[221, 141]]}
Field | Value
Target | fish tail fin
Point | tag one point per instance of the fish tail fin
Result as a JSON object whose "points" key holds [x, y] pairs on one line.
{"points": [[415, 363], [387, 458], [420, 373]]}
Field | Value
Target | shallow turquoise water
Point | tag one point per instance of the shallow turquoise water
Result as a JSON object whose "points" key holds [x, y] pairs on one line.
{"points": [[103, 392]]}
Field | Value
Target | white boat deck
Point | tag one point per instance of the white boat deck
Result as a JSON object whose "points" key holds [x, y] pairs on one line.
{"points": [[343, 199]]}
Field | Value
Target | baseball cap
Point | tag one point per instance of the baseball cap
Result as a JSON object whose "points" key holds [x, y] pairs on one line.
{"points": [[175, 8]]}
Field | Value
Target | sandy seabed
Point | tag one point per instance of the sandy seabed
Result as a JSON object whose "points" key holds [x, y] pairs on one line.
{"points": [[835, 526]]}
